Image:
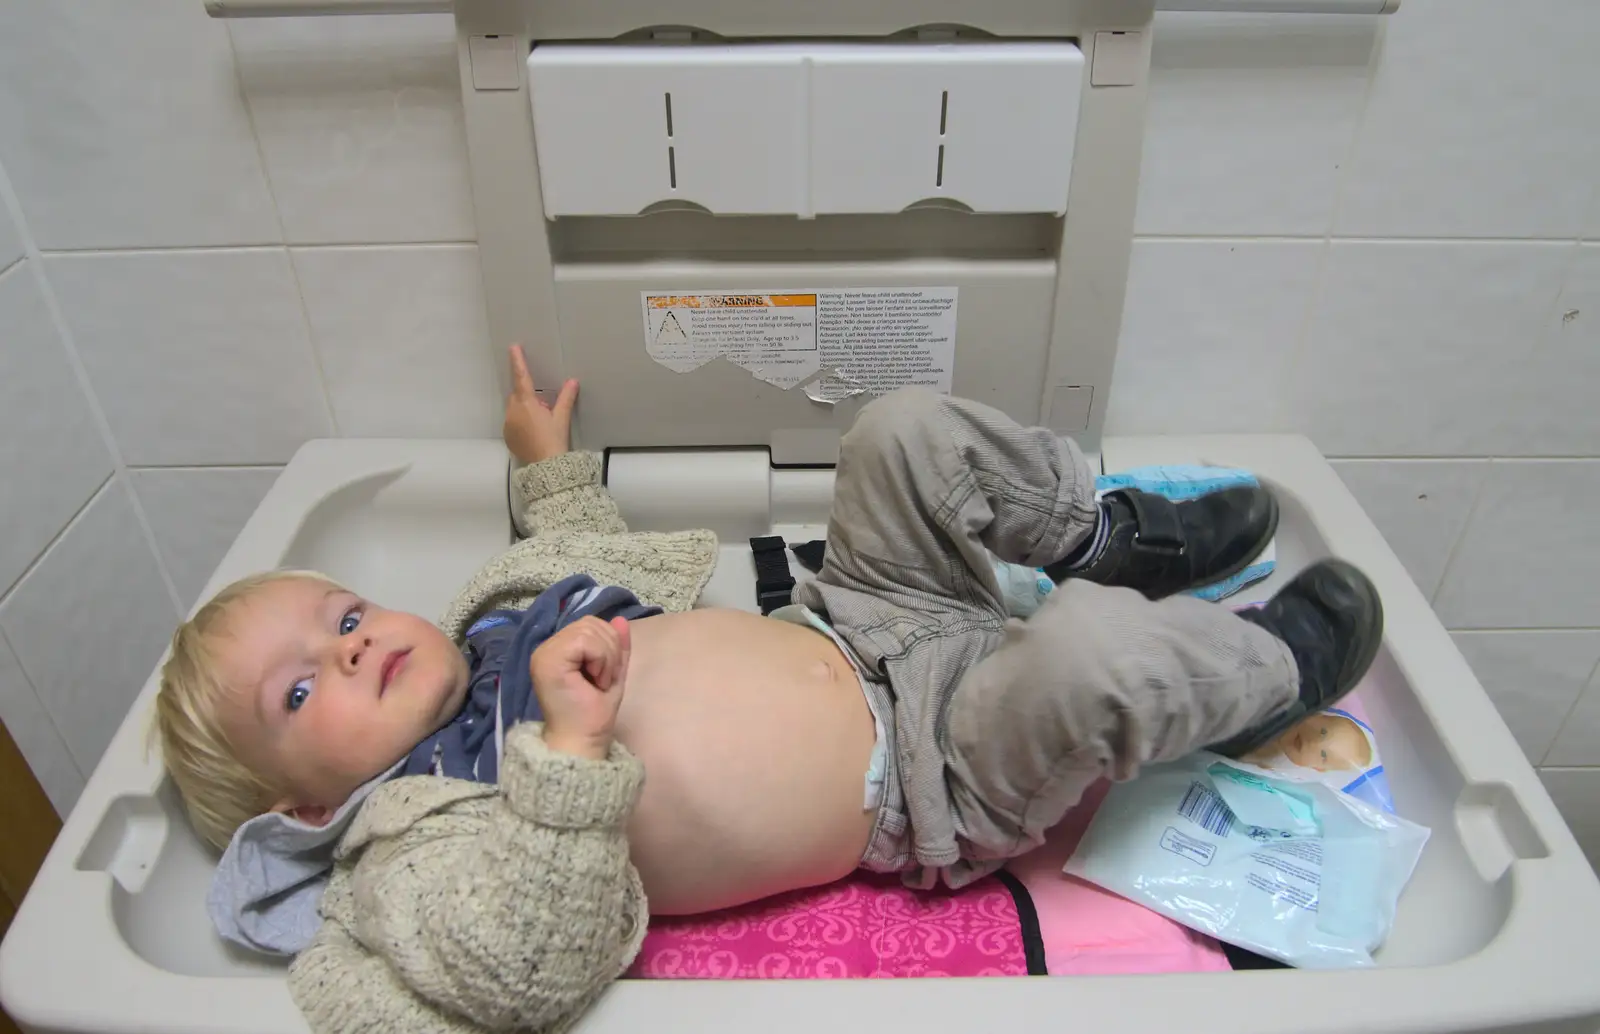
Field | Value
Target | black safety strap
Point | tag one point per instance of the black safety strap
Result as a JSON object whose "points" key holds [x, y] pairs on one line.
{"points": [[774, 583], [1028, 918], [1159, 528]]}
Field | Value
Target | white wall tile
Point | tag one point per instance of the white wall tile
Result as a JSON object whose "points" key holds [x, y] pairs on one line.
{"points": [[122, 125], [10, 238], [1479, 125], [1533, 678], [1579, 740], [361, 126], [1548, 407], [89, 622], [35, 735], [1420, 506], [196, 357], [1249, 120], [195, 513], [1576, 791], [1528, 558], [1412, 344], [1208, 334], [403, 339], [52, 456]]}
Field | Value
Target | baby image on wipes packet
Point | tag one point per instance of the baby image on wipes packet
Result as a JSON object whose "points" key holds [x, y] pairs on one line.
{"points": [[1336, 748]]}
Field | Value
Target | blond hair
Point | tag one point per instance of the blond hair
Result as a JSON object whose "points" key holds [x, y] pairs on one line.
{"points": [[219, 791]]}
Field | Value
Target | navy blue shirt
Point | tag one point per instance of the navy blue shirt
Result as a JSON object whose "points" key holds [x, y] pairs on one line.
{"points": [[500, 689]]}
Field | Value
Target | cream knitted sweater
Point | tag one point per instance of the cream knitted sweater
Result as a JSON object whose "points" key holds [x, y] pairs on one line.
{"points": [[461, 907]]}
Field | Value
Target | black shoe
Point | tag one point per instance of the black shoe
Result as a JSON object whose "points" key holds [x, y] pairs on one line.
{"points": [[1161, 547], [1331, 619]]}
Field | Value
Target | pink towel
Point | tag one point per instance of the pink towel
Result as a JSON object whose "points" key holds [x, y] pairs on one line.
{"points": [[1089, 931]]}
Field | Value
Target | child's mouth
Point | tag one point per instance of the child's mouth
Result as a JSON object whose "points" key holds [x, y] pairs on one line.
{"points": [[391, 667]]}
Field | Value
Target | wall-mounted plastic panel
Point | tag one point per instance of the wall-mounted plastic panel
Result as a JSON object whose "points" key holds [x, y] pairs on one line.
{"points": [[621, 128], [805, 129], [988, 125]]}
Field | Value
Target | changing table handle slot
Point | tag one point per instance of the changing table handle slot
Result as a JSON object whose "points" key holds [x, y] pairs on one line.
{"points": [[1495, 830], [128, 841]]}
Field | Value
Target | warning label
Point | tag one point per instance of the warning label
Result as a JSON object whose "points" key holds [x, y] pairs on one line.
{"points": [[841, 341], [774, 336], [889, 338]]}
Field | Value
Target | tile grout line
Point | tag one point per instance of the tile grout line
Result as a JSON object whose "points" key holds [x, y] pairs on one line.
{"points": [[56, 539], [1465, 458], [1583, 691], [55, 727], [283, 233], [1319, 284], [1302, 342], [69, 344], [1455, 545], [297, 246], [311, 342], [1352, 148], [1519, 629], [11, 589]]}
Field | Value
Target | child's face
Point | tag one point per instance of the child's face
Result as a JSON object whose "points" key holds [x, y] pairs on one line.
{"points": [[328, 690]]}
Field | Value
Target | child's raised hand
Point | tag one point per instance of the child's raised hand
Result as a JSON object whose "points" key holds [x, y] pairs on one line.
{"points": [[533, 430], [578, 676]]}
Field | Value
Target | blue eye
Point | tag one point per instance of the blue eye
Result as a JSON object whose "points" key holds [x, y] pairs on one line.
{"points": [[298, 693], [348, 623]]}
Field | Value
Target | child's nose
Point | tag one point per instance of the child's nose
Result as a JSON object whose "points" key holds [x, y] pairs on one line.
{"points": [[354, 651]]}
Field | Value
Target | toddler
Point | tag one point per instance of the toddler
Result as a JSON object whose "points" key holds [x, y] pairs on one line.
{"points": [[583, 741]]}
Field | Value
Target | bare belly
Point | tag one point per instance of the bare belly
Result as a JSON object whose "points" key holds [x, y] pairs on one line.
{"points": [[755, 739]]}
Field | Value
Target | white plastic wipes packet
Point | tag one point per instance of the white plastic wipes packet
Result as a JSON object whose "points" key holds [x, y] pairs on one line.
{"points": [[1296, 871]]}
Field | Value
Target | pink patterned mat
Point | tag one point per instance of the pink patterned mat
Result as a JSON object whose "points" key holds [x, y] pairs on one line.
{"points": [[863, 926], [872, 926]]}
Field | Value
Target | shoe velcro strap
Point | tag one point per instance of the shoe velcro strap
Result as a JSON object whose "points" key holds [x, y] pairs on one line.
{"points": [[1159, 528]]}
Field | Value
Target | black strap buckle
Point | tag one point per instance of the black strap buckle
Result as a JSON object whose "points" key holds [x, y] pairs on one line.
{"points": [[1159, 530], [774, 582]]}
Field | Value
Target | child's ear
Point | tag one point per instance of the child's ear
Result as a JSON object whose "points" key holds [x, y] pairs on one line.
{"points": [[310, 814]]}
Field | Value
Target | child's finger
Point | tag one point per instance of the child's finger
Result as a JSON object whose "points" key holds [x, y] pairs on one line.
{"points": [[521, 379], [604, 650], [624, 648], [565, 401], [594, 669]]}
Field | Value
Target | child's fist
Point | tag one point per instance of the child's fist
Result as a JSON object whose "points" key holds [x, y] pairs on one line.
{"points": [[533, 430], [578, 676]]}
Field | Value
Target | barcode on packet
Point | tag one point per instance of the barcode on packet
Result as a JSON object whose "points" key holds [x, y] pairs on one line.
{"points": [[1204, 808]]}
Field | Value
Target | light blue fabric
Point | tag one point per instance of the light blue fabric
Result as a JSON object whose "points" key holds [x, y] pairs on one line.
{"points": [[1296, 871], [265, 891], [1176, 481], [1024, 588]]}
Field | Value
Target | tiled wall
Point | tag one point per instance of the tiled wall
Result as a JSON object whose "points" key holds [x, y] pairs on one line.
{"points": [[1386, 235], [225, 238]]}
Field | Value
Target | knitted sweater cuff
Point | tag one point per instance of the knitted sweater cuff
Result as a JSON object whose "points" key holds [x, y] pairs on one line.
{"points": [[557, 474], [565, 792]]}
